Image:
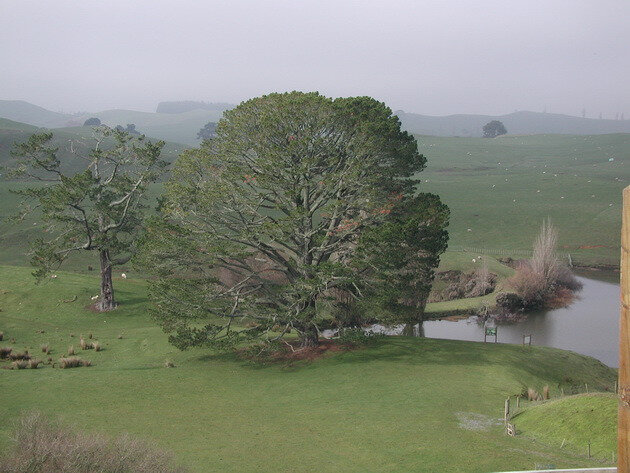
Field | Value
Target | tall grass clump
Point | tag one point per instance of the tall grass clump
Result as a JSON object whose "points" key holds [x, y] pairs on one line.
{"points": [[73, 362], [5, 352], [544, 277], [43, 446], [1, 336]]}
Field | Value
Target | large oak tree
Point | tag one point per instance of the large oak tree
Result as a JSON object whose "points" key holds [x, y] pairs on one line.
{"points": [[265, 221]]}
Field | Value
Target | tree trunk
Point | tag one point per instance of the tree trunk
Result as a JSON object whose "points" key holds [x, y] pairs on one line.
{"points": [[106, 301], [309, 337]]}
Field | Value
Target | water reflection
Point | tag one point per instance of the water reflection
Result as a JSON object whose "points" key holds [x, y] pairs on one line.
{"points": [[589, 326]]}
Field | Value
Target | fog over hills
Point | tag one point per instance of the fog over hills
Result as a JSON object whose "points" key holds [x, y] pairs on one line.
{"points": [[180, 121]]}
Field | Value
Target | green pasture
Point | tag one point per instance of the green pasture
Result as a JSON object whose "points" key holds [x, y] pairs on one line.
{"points": [[400, 405], [573, 422], [500, 190]]}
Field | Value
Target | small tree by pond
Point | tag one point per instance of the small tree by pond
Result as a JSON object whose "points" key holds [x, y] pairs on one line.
{"points": [[99, 209], [544, 276]]}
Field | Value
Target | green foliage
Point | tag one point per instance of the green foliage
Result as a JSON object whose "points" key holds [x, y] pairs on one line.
{"points": [[401, 254], [263, 220], [97, 209], [358, 336], [493, 129]]}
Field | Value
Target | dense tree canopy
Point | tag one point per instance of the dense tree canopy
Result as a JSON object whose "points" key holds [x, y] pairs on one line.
{"points": [[266, 221], [92, 122], [99, 209], [493, 129]]}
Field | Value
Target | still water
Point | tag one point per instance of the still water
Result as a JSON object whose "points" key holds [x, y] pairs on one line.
{"points": [[590, 325]]}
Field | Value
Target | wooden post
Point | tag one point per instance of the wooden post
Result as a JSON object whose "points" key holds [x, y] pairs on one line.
{"points": [[623, 426], [506, 411]]}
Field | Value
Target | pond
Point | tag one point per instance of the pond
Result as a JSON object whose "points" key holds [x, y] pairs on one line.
{"points": [[590, 325]]}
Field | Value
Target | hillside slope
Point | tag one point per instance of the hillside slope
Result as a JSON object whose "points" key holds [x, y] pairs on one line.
{"points": [[574, 421]]}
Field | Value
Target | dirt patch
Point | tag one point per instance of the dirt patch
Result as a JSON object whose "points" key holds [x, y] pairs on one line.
{"points": [[288, 352]]}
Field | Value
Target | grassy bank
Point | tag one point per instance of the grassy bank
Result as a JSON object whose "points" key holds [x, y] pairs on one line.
{"points": [[573, 422], [404, 404]]}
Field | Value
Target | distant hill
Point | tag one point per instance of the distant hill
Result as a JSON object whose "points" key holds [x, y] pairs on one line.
{"points": [[180, 121], [72, 143], [517, 123], [188, 105], [21, 111]]}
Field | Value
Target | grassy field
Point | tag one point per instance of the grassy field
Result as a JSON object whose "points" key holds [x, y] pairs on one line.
{"points": [[403, 404], [500, 190], [570, 421]]}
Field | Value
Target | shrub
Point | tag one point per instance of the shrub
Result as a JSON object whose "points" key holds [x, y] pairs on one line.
{"points": [[42, 446], [120, 336], [1, 336], [169, 364], [5, 352], [529, 285], [33, 364], [545, 393], [96, 345], [46, 348], [357, 336], [20, 356], [83, 344], [70, 362], [532, 394], [71, 350], [19, 365]]}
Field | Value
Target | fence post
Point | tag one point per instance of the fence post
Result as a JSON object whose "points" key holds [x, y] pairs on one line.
{"points": [[623, 426]]}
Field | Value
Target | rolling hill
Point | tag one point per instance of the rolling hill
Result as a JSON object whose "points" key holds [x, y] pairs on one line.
{"points": [[517, 123], [180, 121]]}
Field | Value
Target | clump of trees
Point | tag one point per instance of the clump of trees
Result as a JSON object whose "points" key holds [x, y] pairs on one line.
{"points": [[544, 277], [100, 209], [493, 129], [130, 128], [92, 122], [298, 199]]}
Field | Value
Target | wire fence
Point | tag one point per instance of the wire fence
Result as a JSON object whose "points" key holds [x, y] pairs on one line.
{"points": [[501, 252]]}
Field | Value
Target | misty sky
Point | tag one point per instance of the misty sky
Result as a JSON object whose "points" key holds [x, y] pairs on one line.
{"points": [[431, 57]]}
